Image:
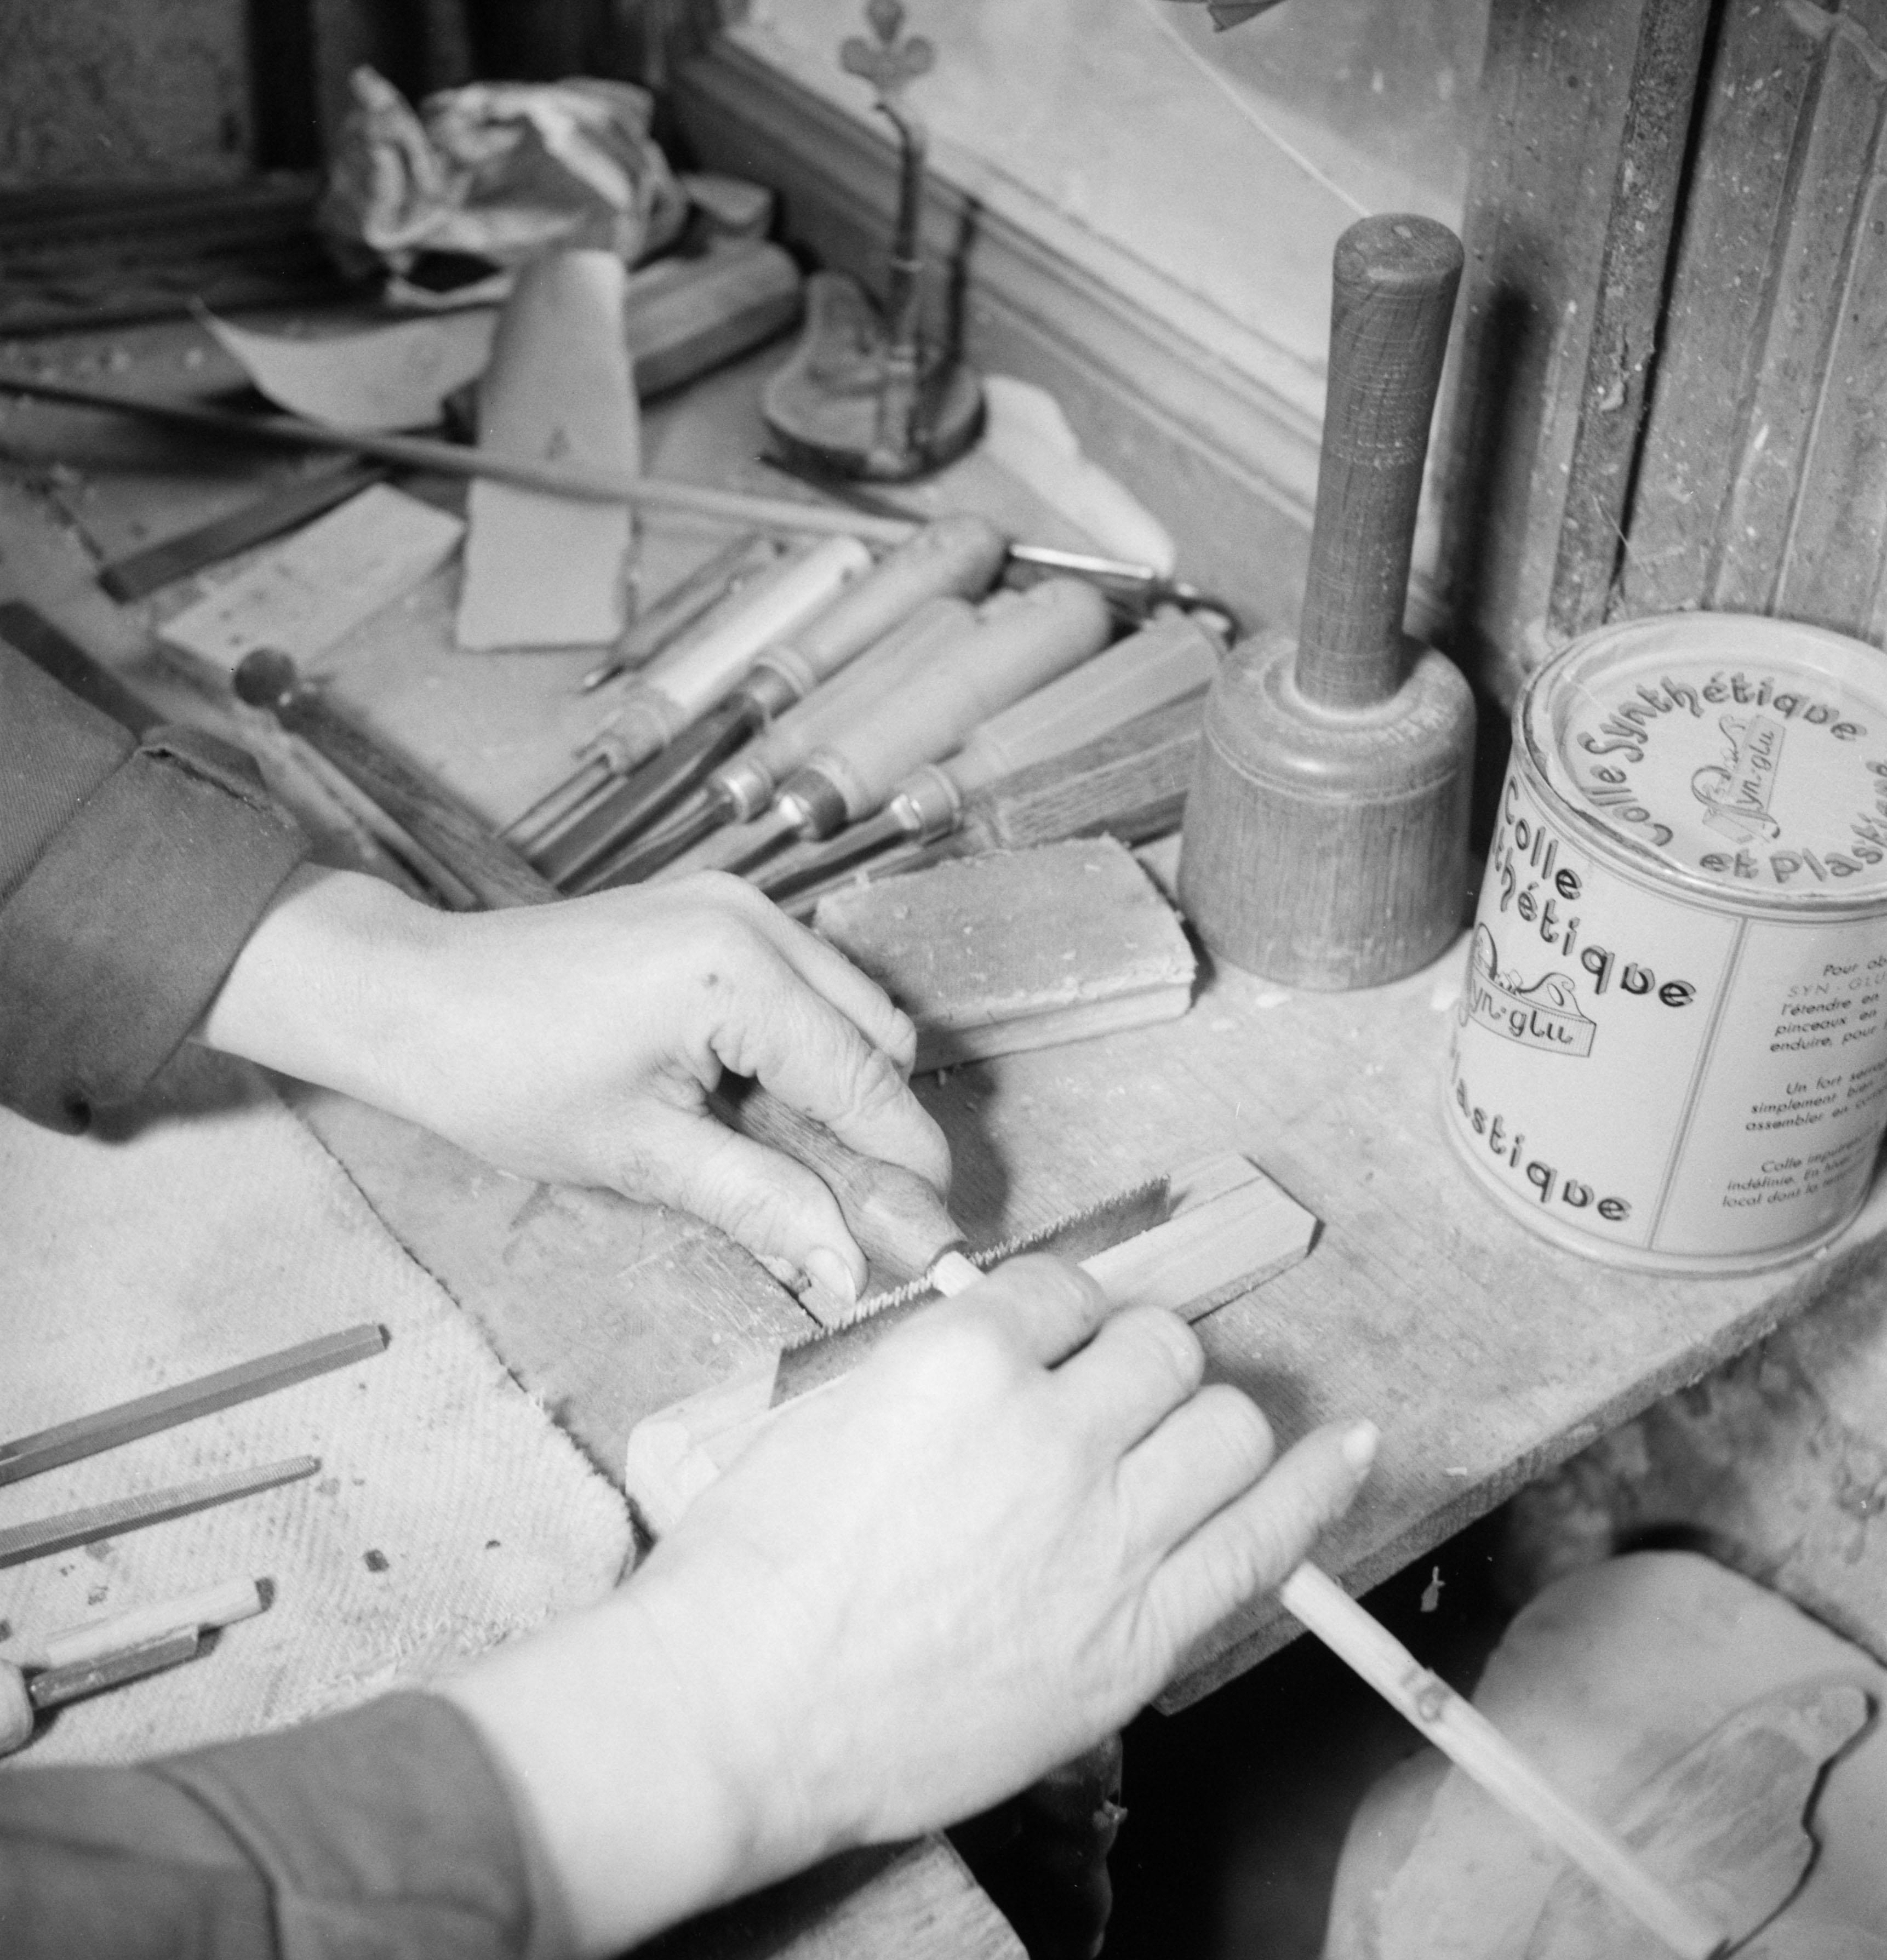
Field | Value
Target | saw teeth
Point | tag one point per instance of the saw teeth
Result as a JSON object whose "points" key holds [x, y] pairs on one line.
{"points": [[1148, 1197]]}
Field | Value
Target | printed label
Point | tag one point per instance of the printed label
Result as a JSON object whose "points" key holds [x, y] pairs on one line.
{"points": [[1544, 1015], [1752, 753], [1645, 1072]]}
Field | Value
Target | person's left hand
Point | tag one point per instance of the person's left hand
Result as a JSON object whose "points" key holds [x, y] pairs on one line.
{"points": [[577, 1042]]}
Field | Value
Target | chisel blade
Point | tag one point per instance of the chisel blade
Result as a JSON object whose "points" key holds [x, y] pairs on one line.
{"points": [[833, 1351]]}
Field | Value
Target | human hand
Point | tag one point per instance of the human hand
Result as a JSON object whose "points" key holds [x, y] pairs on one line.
{"points": [[576, 1043], [917, 1591]]}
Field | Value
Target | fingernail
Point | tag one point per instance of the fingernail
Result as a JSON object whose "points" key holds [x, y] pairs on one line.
{"points": [[1359, 1444], [827, 1270]]}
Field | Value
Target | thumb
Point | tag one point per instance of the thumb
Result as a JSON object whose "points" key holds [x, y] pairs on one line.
{"points": [[775, 1208]]}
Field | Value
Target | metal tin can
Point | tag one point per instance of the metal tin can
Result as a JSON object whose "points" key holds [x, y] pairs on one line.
{"points": [[1670, 1051]]}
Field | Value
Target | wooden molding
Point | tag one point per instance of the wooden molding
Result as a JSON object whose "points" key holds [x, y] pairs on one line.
{"points": [[1216, 429]]}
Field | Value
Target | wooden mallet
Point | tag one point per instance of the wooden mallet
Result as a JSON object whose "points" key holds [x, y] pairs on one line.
{"points": [[1325, 841]]}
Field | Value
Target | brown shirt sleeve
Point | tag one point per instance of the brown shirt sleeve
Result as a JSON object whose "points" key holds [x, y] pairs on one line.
{"points": [[131, 874], [383, 1833]]}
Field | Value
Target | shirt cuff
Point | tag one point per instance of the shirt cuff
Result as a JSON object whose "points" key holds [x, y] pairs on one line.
{"points": [[115, 943], [383, 1834]]}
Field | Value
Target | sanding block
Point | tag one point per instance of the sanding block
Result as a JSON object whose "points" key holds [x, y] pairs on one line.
{"points": [[1017, 950]]}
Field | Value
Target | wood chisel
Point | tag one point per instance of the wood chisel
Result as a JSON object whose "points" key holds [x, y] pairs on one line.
{"points": [[24, 1697], [87, 1660], [698, 672], [1149, 669], [744, 785], [955, 557], [211, 1607], [1022, 642], [904, 1229]]}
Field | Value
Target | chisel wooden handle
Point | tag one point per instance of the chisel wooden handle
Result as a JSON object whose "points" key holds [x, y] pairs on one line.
{"points": [[1161, 663], [1395, 278], [685, 680], [493, 872], [931, 636], [1018, 646], [956, 557]]}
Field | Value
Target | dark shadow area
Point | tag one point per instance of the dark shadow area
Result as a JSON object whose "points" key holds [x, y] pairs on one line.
{"points": [[1236, 1808]]}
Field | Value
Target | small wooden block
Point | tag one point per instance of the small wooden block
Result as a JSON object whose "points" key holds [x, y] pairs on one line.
{"points": [[301, 596], [1019, 949]]}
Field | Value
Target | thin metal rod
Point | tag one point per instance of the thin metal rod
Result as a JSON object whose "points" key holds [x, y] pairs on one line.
{"points": [[68, 1529], [587, 483], [144, 1415]]}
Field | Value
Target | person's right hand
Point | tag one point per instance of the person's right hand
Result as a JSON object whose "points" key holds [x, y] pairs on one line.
{"points": [[917, 1591]]}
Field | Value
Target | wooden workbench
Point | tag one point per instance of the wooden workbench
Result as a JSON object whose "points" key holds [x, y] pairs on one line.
{"points": [[1485, 1354]]}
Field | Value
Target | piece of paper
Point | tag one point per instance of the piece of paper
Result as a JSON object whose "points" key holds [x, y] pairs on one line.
{"points": [[302, 596], [1026, 432], [388, 377], [542, 570]]}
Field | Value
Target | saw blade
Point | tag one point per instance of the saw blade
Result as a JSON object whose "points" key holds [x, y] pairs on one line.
{"points": [[830, 1352]]}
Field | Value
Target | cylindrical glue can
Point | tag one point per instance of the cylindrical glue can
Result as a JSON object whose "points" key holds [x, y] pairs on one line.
{"points": [[1670, 1051]]}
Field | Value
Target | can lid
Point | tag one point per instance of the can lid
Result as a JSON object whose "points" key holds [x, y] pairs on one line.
{"points": [[1746, 754]]}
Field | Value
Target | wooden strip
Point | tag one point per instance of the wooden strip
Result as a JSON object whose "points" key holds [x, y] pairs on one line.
{"points": [[1830, 167], [140, 572], [1713, 339], [1467, 1738], [144, 1415], [56, 653], [1631, 294], [67, 1530]]}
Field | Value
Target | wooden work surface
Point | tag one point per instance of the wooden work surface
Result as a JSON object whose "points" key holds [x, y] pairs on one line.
{"points": [[1485, 1354]]}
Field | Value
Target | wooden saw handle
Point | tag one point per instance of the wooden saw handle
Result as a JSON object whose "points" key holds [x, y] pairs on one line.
{"points": [[902, 1225]]}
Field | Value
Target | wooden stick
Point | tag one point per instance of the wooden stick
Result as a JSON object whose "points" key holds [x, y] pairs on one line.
{"points": [[1470, 1741], [105, 1429], [588, 483]]}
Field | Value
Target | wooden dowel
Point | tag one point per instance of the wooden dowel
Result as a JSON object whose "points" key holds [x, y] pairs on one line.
{"points": [[588, 483], [1470, 1741]]}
